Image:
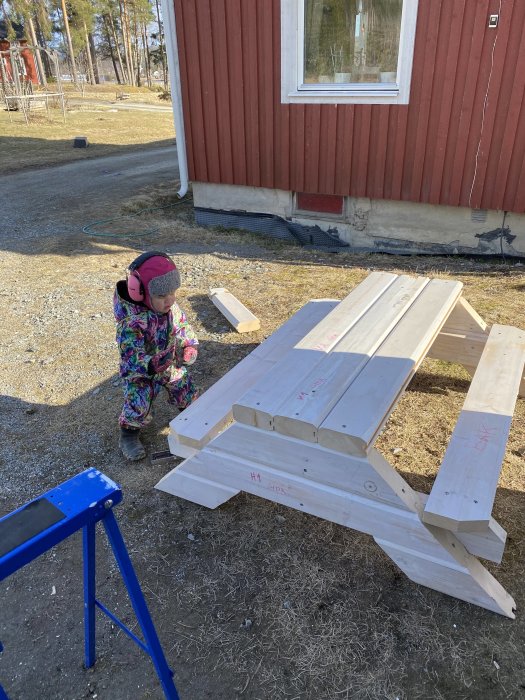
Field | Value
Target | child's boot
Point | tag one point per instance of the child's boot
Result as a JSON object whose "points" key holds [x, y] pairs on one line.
{"points": [[130, 444]]}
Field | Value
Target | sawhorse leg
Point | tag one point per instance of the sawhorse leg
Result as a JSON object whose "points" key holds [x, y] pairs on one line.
{"points": [[152, 645], [88, 536]]}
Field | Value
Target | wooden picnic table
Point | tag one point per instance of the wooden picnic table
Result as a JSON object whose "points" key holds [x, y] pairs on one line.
{"points": [[296, 422]]}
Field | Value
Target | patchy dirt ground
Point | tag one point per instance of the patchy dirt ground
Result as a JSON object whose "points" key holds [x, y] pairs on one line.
{"points": [[330, 616]]}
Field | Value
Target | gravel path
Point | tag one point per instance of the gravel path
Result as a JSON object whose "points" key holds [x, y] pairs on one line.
{"points": [[64, 198]]}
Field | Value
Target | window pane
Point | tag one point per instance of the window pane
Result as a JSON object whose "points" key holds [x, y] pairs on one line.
{"points": [[351, 41]]}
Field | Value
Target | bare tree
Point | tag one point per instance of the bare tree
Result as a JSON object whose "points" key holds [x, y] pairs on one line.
{"points": [[67, 32], [161, 47]]}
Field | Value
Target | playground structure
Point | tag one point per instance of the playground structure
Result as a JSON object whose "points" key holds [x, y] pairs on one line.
{"points": [[296, 422], [23, 86]]}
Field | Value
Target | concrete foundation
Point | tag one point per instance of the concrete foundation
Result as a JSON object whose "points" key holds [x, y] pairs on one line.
{"points": [[378, 225]]}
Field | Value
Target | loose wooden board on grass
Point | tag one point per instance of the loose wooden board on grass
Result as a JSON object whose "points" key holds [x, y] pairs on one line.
{"points": [[234, 310]]}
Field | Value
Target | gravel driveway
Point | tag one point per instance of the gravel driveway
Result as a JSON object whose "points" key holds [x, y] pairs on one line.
{"points": [[64, 198]]}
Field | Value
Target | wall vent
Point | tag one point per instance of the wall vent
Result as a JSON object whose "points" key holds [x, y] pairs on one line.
{"points": [[319, 203], [478, 215]]}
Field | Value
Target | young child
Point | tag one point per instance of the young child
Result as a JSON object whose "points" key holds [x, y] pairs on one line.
{"points": [[156, 345]]}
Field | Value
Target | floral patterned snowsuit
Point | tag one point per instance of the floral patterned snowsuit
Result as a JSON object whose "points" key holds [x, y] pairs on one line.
{"points": [[141, 335]]}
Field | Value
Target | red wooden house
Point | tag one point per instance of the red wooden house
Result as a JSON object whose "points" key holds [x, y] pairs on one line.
{"points": [[392, 125]]}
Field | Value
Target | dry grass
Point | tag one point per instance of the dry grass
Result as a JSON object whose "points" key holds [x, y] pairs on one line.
{"points": [[47, 140]]}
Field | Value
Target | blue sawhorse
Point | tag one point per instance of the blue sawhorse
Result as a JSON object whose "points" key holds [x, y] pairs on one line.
{"points": [[81, 502]]}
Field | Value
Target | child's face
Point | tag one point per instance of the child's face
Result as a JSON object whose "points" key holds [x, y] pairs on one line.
{"points": [[162, 304]]}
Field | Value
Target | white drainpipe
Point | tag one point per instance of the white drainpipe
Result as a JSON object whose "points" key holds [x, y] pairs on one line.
{"points": [[172, 51]]}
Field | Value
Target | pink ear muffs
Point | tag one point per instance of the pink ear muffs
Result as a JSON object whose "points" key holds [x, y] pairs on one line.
{"points": [[135, 286], [136, 289]]}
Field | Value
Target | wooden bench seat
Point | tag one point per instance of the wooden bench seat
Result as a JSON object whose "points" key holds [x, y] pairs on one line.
{"points": [[212, 411], [463, 493]]}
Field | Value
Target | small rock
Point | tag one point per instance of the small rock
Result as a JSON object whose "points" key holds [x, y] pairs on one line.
{"points": [[30, 410], [496, 664], [397, 450], [246, 625], [287, 604], [191, 537], [95, 391], [280, 518]]}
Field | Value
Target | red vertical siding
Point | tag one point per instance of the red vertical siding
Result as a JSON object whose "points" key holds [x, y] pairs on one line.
{"points": [[220, 74], [442, 126], [460, 141]]}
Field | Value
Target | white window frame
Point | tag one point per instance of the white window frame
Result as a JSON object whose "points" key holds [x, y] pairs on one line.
{"points": [[292, 56]]}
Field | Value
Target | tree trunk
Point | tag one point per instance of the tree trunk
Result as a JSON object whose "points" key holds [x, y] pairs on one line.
{"points": [[41, 71], [69, 42], [88, 56], [138, 62], [111, 50], [42, 42], [110, 26], [93, 57], [161, 48], [124, 43], [126, 39], [147, 61]]}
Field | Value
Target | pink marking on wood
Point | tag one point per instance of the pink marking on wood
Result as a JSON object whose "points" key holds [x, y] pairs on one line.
{"points": [[484, 437], [278, 488]]}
